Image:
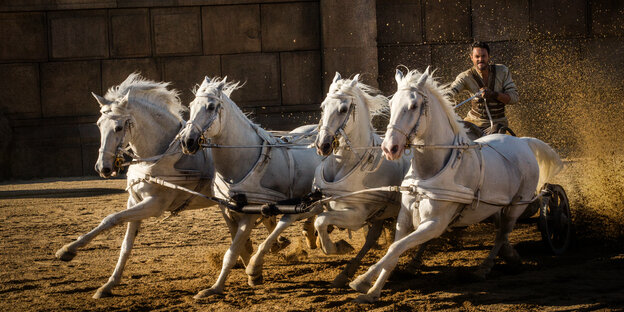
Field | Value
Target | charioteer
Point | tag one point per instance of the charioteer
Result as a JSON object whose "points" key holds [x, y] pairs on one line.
{"points": [[496, 87]]}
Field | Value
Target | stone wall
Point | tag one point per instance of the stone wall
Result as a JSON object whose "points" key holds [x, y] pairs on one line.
{"points": [[53, 54]]}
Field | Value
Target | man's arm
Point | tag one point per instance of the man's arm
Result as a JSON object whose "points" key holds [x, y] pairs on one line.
{"points": [[457, 86], [510, 93]]}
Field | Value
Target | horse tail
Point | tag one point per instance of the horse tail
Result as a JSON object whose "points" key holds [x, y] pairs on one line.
{"points": [[547, 158]]}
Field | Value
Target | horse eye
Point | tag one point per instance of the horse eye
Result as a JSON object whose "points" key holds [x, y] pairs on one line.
{"points": [[412, 105], [211, 106], [342, 109], [118, 128]]}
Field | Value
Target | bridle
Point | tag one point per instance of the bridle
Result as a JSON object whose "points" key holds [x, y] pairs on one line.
{"points": [[122, 148], [411, 133], [202, 130], [335, 145]]}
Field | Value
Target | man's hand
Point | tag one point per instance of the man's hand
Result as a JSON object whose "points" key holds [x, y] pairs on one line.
{"points": [[489, 94]]}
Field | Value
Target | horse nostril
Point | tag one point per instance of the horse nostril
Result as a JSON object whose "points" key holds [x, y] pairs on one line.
{"points": [[325, 147], [106, 170], [394, 149], [189, 142]]}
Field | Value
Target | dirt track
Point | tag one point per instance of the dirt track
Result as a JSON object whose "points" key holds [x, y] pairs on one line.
{"points": [[174, 259]]}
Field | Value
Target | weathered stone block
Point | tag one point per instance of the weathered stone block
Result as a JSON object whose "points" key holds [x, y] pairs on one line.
{"points": [[301, 78], [348, 62], [391, 58], [130, 33], [19, 95], [559, 19], [447, 20], [290, 26], [607, 18], [449, 60], [49, 5], [348, 23], [115, 72], [231, 29], [177, 31], [66, 88], [46, 151], [90, 143], [494, 20], [261, 75], [23, 36], [185, 72], [399, 22], [78, 34]]}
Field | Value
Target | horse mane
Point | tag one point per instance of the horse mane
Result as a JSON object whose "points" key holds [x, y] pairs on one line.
{"points": [[376, 102], [439, 91], [228, 88], [149, 93]]}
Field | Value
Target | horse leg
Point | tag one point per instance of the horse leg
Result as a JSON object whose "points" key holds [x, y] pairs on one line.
{"points": [[438, 215], [149, 207], [254, 269], [371, 238], [342, 218], [282, 242], [232, 224], [245, 225], [404, 226], [309, 232], [124, 254], [508, 219]]}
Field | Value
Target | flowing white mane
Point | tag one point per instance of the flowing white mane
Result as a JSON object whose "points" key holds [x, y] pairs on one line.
{"points": [[228, 88], [149, 93], [435, 88], [376, 103]]}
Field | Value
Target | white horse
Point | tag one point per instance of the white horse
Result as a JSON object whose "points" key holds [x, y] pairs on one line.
{"points": [[258, 174], [346, 116], [452, 180], [145, 116]]}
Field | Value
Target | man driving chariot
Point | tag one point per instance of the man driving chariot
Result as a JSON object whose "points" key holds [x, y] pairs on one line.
{"points": [[496, 87]]}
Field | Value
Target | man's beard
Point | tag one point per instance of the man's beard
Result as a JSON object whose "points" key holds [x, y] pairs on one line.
{"points": [[481, 66]]}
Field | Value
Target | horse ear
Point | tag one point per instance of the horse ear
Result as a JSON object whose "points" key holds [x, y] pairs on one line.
{"points": [[124, 102], [423, 78], [205, 82], [221, 85], [336, 77], [398, 76], [102, 101], [354, 82]]}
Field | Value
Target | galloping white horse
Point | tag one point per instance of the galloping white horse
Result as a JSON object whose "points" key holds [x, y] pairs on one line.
{"points": [[452, 180], [346, 116], [145, 116], [259, 174], [347, 112]]}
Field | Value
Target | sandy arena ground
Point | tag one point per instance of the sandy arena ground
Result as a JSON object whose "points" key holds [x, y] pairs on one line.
{"points": [[174, 259]]}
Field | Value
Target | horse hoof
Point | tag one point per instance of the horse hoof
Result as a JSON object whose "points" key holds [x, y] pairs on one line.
{"points": [[65, 254], [360, 285], [342, 247], [365, 299], [282, 242], [255, 280], [207, 293], [340, 281], [102, 293], [310, 239]]}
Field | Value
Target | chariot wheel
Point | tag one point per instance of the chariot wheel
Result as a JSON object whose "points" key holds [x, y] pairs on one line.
{"points": [[555, 220]]}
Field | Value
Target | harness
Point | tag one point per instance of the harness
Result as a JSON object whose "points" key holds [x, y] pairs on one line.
{"points": [[492, 109]]}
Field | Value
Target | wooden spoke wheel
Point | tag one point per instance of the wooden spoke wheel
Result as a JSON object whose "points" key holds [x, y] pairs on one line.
{"points": [[555, 220]]}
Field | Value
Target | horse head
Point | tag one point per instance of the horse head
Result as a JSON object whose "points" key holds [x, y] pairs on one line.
{"points": [[206, 109], [407, 106], [337, 108], [115, 125]]}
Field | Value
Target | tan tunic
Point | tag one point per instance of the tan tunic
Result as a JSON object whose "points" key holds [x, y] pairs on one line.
{"points": [[502, 83]]}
